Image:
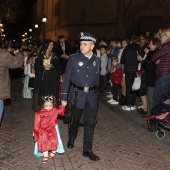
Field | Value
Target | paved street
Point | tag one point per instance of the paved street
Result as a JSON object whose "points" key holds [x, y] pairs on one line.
{"points": [[119, 141]]}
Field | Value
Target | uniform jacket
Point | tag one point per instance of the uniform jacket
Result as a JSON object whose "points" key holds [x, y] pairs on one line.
{"points": [[116, 76], [82, 72], [8, 61], [164, 55]]}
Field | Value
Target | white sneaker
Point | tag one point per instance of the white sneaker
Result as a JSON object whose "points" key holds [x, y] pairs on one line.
{"points": [[133, 107], [109, 96], [127, 108], [111, 100], [114, 102], [140, 107]]}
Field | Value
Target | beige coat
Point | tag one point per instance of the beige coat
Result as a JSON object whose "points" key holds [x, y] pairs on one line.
{"points": [[8, 61]]}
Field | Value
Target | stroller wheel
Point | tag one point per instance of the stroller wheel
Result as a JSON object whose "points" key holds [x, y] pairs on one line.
{"points": [[160, 134], [151, 128]]}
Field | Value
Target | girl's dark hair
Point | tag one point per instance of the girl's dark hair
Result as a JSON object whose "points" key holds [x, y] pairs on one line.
{"points": [[156, 41], [48, 98], [45, 46]]}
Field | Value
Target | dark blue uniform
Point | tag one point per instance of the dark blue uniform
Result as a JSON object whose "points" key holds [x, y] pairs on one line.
{"points": [[82, 72]]}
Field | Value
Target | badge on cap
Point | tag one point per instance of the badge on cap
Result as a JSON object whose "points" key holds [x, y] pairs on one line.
{"points": [[80, 63], [94, 63], [81, 34]]}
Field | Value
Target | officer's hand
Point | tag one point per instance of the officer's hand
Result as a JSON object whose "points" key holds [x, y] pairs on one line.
{"points": [[64, 103]]}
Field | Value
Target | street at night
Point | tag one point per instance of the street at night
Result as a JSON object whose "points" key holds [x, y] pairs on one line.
{"points": [[84, 85], [119, 140]]}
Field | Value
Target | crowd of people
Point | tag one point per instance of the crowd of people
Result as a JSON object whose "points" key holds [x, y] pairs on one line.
{"points": [[139, 66]]}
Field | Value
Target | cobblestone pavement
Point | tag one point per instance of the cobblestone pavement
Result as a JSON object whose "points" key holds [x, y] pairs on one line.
{"points": [[119, 141]]}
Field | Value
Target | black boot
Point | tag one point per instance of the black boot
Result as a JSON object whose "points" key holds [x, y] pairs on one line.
{"points": [[70, 143]]}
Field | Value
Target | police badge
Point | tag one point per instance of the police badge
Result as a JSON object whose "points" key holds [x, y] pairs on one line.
{"points": [[81, 34], [94, 63], [80, 63]]}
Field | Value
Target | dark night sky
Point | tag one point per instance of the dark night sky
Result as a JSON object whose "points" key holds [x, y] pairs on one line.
{"points": [[23, 20]]}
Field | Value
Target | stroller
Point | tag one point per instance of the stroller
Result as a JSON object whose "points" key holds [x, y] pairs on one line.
{"points": [[160, 118]]}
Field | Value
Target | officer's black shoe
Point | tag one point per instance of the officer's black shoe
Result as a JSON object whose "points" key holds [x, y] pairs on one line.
{"points": [[91, 155], [70, 143]]}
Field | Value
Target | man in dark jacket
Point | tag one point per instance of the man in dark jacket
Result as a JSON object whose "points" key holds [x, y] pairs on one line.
{"points": [[162, 57], [130, 60], [62, 50]]}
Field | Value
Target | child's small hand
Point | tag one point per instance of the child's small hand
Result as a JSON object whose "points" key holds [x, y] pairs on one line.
{"points": [[64, 103]]}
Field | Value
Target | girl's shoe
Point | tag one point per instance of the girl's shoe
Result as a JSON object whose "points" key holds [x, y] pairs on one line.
{"points": [[52, 154], [45, 160]]}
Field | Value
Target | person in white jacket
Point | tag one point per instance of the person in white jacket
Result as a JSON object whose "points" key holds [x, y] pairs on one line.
{"points": [[29, 73]]}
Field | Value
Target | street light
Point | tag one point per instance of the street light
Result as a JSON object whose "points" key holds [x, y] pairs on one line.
{"points": [[44, 20], [30, 30], [36, 27]]}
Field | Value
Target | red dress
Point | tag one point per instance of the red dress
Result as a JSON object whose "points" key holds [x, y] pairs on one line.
{"points": [[44, 128]]}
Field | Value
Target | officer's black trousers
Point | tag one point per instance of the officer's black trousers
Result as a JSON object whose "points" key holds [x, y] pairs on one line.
{"points": [[89, 115]]}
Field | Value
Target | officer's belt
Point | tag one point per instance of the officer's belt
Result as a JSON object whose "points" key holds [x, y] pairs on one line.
{"points": [[85, 88]]}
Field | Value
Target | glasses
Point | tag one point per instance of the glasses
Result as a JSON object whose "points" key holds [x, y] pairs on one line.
{"points": [[47, 98]]}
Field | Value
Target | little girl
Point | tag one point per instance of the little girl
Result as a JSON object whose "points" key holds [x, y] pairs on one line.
{"points": [[46, 131], [116, 78]]}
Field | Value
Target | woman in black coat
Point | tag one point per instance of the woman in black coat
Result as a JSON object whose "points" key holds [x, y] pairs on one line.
{"points": [[150, 71], [47, 72]]}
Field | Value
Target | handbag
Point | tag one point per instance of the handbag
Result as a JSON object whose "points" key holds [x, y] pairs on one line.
{"points": [[136, 83]]}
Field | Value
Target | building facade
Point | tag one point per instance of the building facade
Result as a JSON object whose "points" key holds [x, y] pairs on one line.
{"points": [[104, 18]]}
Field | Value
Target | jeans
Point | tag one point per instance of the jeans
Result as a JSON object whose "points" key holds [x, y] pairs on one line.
{"points": [[162, 88], [1, 109]]}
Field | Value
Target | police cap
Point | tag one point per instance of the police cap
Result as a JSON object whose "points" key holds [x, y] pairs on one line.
{"points": [[84, 36]]}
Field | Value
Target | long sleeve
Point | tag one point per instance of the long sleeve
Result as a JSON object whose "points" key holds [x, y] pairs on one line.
{"points": [[61, 110], [13, 62], [159, 53], [67, 79], [26, 69], [29, 71], [36, 126]]}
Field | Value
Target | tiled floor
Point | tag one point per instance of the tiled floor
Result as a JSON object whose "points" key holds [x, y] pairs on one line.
{"points": [[119, 141]]}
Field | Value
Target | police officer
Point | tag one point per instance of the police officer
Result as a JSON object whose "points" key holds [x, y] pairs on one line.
{"points": [[81, 82]]}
